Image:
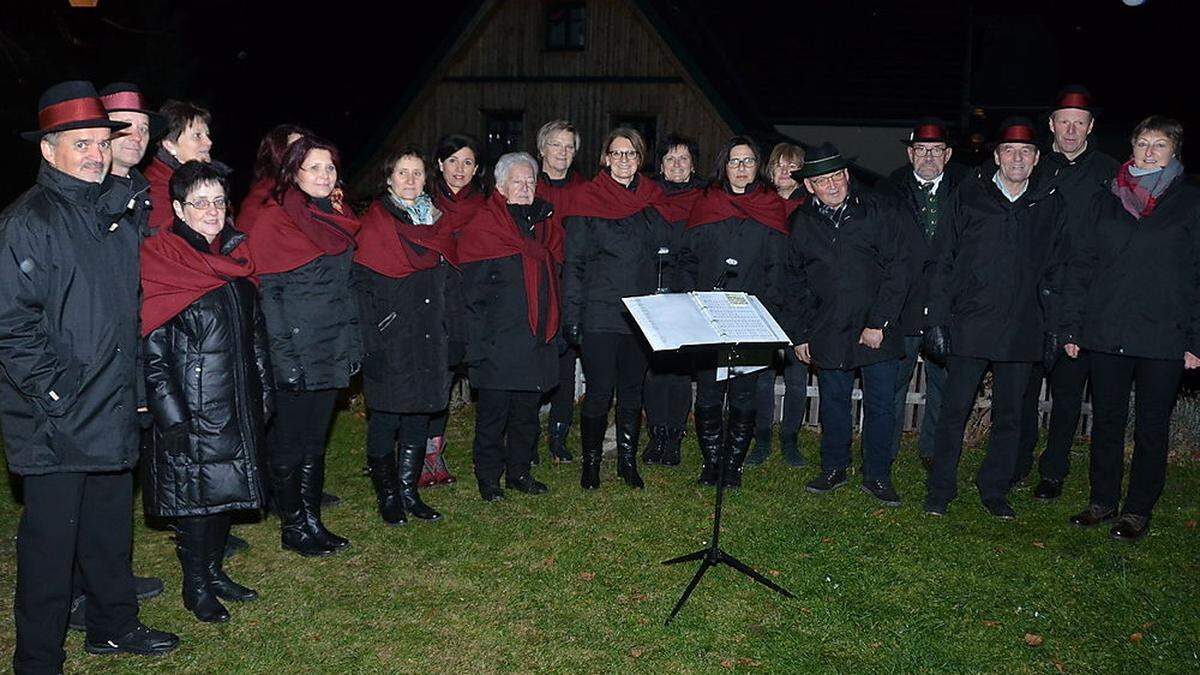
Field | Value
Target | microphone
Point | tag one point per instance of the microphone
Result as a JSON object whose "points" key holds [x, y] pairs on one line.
{"points": [[661, 254], [729, 271]]}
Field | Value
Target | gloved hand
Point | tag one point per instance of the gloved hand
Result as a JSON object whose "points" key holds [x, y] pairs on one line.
{"points": [[1051, 350], [574, 334], [936, 344], [175, 439]]}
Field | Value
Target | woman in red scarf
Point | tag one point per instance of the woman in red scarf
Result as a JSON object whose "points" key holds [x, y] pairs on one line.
{"points": [[266, 164], [208, 381], [737, 218], [458, 187], [612, 241], [510, 285], [405, 250], [186, 140], [302, 245]]}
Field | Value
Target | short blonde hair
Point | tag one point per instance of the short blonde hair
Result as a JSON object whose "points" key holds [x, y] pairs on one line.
{"points": [[543, 134]]}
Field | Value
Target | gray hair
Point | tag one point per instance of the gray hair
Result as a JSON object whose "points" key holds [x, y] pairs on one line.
{"points": [[543, 134], [51, 138], [509, 160]]}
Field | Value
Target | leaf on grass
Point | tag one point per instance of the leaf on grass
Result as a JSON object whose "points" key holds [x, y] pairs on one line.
{"points": [[806, 610], [875, 645], [587, 576], [1038, 544], [727, 663], [1191, 524], [991, 624], [638, 597], [749, 662], [878, 513], [826, 540], [773, 573], [1060, 666], [549, 562], [636, 652], [1146, 626], [643, 621], [1136, 638], [1034, 640]]}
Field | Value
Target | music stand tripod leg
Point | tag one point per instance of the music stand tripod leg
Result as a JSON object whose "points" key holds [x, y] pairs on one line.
{"points": [[704, 565], [753, 574]]}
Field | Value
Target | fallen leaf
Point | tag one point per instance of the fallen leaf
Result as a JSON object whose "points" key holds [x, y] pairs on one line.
{"points": [[1146, 626], [1038, 544], [875, 645], [806, 610], [1136, 638], [773, 573], [549, 562], [726, 663], [878, 513], [826, 540], [639, 597], [1191, 524], [587, 576], [636, 652], [1060, 666], [643, 621], [749, 662], [1033, 640], [991, 624]]}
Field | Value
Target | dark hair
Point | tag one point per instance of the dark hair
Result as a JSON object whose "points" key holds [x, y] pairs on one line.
{"points": [[389, 163], [289, 166], [673, 141], [630, 134], [179, 115], [194, 173], [451, 143], [719, 175], [271, 149], [1164, 125]]}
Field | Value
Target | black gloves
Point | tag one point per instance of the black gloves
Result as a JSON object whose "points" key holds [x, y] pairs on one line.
{"points": [[1051, 350], [936, 344], [574, 334], [175, 439]]}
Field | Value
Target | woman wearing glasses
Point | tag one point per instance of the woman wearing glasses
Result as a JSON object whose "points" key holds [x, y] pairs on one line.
{"points": [[737, 218], [302, 245], [612, 240], [209, 383]]}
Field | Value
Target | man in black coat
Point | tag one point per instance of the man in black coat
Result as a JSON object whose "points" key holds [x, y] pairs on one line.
{"points": [[1079, 171], [68, 349], [988, 301], [923, 188], [846, 282]]}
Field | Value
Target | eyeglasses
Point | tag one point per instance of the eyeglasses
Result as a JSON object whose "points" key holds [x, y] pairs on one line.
{"points": [[921, 151], [829, 181], [787, 166], [623, 155], [748, 162], [204, 204]]}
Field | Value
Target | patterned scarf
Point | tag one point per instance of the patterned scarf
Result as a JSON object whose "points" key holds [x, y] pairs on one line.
{"points": [[1139, 193], [421, 209]]}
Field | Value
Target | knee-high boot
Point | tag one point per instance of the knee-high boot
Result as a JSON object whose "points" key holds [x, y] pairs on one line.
{"points": [[591, 440], [294, 532], [312, 479], [224, 587], [628, 424], [385, 477], [191, 539], [412, 458], [741, 429], [710, 436]]}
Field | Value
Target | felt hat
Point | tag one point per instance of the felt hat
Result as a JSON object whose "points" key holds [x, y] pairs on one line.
{"points": [[1074, 96], [70, 105], [928, 130], [1015, 130], [124, 96], [819, 161]]}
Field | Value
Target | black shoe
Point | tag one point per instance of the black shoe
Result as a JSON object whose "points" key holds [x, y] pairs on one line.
{"points": [[883, 491], [312, 478], [710, 434], [220, 583], [193, 539], [827, 482], [329, 501], [1048, 490], [591, 439], [141, 640], [789, 446], [294, 533], [1000, 508], [656, 441], [491, 491], [1093, 515], [762, 447], [527, 484], [1130, 527], [234, 545], [77, 619], [1019, 479], [147, 587], [557, 434], [741, 426], [628, 426], [385, 478], [411, 459], [934, 507], [671, 447]]}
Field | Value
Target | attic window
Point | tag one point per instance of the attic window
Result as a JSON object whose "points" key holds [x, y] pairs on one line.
{"points": [[566, 26]]}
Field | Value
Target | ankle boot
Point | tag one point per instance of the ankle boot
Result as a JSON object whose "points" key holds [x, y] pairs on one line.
{"points": [[214, 548], [386, 479], [656, 441], [190, 539], [294, 533], [411, 459], [741, 426], [709, 435], [629, 423], [671, 454], [789, 446], [312, 478], [558, 442], [591, 439], [762, 446]]}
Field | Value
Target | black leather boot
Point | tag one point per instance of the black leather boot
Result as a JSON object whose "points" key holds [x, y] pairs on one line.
{"points": [[591, 439], [190, 540], [222, 586], [386, 479], [294, 533], [709, 435], [656, 441], [412, 458], [558, 432], [741, 429], [629, 423], [312, 478], [671, 453]]}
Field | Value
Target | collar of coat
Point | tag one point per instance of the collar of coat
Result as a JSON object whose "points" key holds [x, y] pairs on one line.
{"points": [[109, 200]]}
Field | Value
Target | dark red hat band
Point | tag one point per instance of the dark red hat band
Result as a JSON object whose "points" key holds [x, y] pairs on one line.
{"points": [[1017, 135], [124, 100], [929, 131], [74, 110], [1074, 100]]}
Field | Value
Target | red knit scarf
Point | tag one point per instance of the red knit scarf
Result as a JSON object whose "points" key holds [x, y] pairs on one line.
{"points": [[384, 243], [175, 274]]}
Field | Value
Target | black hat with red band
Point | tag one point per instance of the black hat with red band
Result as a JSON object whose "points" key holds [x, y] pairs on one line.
{"points": [[70, 105], [1016, 130], [124, 96], [928, 130], [1074, 96]]}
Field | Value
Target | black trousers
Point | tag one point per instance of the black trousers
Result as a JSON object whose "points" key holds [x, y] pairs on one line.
{"points": [[667, 394], [1010, 380], [385, 428], [795, 395], [68, 518], [506, 431], [613, 361], [300, 426], [1157, 383], [1067, 382], [711, 393], [562, 399]]}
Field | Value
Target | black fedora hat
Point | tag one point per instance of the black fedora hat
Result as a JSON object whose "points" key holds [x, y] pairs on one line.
{"points": [[819, 161], [1074, 96], [125, 96], [928, 130], [1016, 130], [70, 105]]}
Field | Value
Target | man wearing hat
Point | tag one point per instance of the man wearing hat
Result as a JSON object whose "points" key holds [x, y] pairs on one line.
{"points": [[1079, 171], [68, 398], [923, 188], [846, 282], [989, 297]]}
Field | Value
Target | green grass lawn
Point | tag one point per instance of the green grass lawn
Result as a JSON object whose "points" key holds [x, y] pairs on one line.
{"points": [[572, 582]]}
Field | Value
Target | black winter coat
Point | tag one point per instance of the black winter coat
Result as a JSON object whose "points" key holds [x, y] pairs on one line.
{"points": [[903, 187], [998, 280], [759, 250], [69, 305], [1133, 286], [607, 260], [1078, 180], [312, 319], [842, 279], [139, 200], [502, 353], [209, 369]]}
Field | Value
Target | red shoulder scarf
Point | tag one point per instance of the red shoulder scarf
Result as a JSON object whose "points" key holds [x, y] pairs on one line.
{"points": [[175, 274], [604, 197], [254, 204], [758, 204], [492, 233], [458, 207], [295, 233], [158, 173], [382, 247], [676, 205], [555, 194]]}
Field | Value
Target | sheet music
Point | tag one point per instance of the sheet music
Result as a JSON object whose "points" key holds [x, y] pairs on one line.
{"points": [[739, 317], [673, 320]]}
